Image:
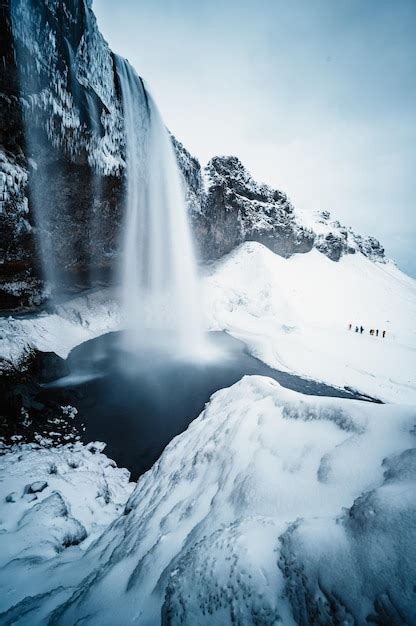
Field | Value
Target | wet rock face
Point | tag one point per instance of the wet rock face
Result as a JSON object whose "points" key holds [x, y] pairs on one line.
{"points": [[192, 176], [61, 147]]}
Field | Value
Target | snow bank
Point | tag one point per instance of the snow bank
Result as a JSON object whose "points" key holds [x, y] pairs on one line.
{"points": [[51, 500], [72, 323], [294, 315], [223, 528]]}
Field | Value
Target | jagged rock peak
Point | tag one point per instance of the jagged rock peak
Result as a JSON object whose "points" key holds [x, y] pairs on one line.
{"points": [[334, 239], [229, 170], [236, 208]]}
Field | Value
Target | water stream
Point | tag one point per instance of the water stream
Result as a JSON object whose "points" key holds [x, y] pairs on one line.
{"points": [[159, 278]]}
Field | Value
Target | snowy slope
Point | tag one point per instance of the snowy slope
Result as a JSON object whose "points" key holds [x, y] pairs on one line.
{"points": [[77, 320], [223, 528], [294, 314], [54, 502]]}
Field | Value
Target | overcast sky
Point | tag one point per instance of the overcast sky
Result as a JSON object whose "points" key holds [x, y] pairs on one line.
{"points": [[316, 97]]}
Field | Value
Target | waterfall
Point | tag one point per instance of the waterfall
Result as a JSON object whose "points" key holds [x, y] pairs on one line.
{"points": [[159, 277]]}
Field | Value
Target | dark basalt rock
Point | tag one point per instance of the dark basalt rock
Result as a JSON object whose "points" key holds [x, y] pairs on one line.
{"points": [[46, 366], [29, 412], [58, 80], [339, 240]]}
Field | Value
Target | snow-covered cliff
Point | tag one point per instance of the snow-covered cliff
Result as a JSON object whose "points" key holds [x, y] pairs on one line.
{"points": [[62, 146], [236, 208]]}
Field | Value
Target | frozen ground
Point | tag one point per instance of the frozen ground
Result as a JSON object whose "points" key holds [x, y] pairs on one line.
{"points": [[54, 502], [272, 505], [72, 323], [294, 315]]}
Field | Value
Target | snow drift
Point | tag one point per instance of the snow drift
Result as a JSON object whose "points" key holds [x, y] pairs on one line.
{"points": [[224, 528], [294, 315]]}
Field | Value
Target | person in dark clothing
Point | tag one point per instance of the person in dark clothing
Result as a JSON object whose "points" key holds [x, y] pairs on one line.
{"points": [[349, 326], [371, 332], [384, 333], [356, 329], [377, 332], [361, 330]]}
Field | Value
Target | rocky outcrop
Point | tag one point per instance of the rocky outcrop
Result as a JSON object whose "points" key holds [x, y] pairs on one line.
{"points": [[334, 240], [235, 208]]}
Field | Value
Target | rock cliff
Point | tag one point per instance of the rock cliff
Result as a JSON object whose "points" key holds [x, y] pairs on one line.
{"points": [[61, 146], [232, 207]]}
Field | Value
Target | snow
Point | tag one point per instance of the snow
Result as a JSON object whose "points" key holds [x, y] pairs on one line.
{"points": [[51, 500], [78, 320], [259, 511], [294, 315]]}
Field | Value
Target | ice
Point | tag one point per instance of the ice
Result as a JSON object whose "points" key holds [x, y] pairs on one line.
{"points": [[272, 504], [73, 322]]}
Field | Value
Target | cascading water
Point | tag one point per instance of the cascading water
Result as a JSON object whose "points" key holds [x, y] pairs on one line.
{"points": [[159, 278]]}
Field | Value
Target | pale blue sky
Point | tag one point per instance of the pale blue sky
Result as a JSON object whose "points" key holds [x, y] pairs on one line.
{"points": [[316, 97]]}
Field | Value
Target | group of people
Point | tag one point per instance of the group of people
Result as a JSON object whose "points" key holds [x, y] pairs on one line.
{"points": [[360, 329]]}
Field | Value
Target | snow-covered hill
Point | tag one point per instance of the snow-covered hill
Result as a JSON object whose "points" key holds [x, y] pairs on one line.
{"points": [[294, 314], [272, 507]]}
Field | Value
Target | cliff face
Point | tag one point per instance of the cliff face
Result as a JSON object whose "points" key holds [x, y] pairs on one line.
{"points": [[232, 207], [62, 148], [235, 209], [61, 145]]}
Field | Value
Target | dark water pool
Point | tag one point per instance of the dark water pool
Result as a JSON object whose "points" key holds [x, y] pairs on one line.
{"points": [[137, 410]]}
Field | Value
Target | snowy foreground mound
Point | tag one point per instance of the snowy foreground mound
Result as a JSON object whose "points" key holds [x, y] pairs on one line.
{"points": [[294, 315], [271, 506], [53, 498]]}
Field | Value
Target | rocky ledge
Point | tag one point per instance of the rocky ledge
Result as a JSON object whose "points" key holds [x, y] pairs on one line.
{"points": [[232, 208]]}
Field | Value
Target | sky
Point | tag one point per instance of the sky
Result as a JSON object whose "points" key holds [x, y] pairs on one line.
{"points": [[316, 97]]}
